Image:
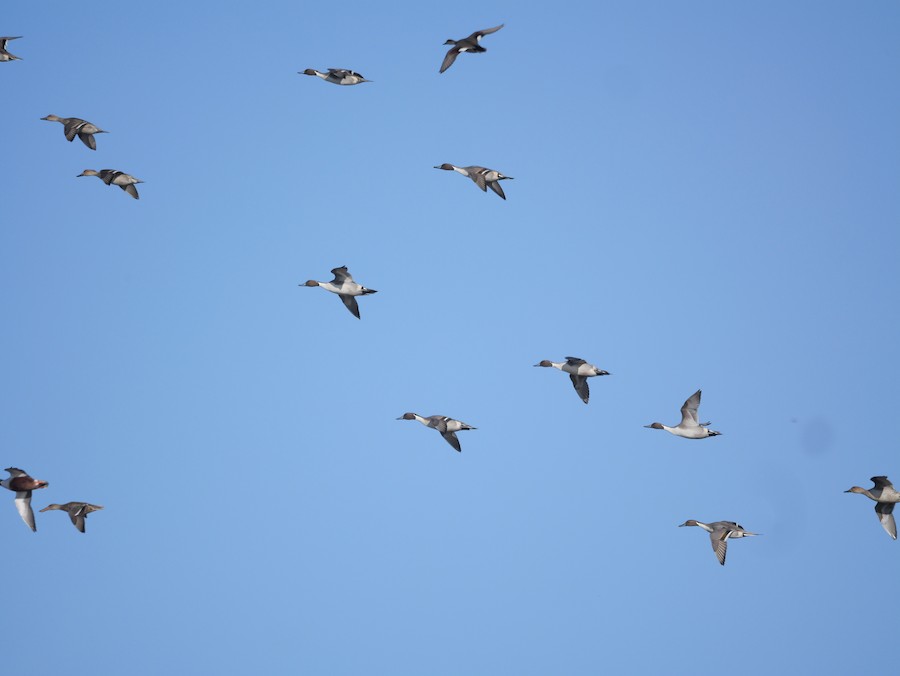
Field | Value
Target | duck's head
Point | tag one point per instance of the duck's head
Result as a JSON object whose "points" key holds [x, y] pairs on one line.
{"points": [[856, 489], [310, 282], [51, 118], [655, 426], [407, 416], [88, 172], [52, 506], [544, 362], [689, 522], [448, 167], [309, 71], [450, 41]]}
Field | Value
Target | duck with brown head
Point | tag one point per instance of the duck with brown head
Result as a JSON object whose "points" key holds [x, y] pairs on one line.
{"points": [[689, 427], [483, 177], [448, 427], [22, 484], [719, 533], [75, 126], [579, 371], [885, 496], [344, 286]]}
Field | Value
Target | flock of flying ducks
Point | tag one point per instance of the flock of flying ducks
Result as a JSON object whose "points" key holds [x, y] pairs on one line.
{"points": [[882, 493]]}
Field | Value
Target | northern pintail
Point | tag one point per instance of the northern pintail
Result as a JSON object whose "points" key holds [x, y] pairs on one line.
{"points": [[78, 511], [483, 177], [885, 496], [113, 177], [689, 427], [579, 371], [73, 126], [719, 532], [338, 76], [4, 55], [344, 286], [448, 427], [469, 44], [22, 484]]}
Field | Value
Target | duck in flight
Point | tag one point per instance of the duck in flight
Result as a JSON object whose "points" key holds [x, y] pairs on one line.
{"points": [[338, 76], [579, 371], [885, 496], [75, 126], [113, 177], [77, 511], [344, 286], [484, 178], [21, 484], [719, 532], [448, 427], [689, 427], [469, 44]]}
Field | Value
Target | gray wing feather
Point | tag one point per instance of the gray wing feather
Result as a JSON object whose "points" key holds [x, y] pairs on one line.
{"points": [[23, 504], [449, 59], [77, 520], [885, 510], [130, 189], [497, 188], [350, 303], [719, 540], [580, 384], [88, 140], [452, 440], [689, 410]]}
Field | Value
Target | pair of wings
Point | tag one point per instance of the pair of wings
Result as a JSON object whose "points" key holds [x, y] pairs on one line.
{"points": [[477, 175], [340, 276]]}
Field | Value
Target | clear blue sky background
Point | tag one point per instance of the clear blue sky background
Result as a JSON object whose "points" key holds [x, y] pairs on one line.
{"points": [[705, 195]]}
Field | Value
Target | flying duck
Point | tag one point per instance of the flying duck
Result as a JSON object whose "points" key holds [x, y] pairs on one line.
{"points": [[22, 484], [448, 427], [579, 371], [469, 44], [344, 286]]}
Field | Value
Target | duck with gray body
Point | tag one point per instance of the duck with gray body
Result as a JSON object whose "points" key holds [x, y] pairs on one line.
{"points": [[885, 496], [448, 427], [579, 371], [77, 511], [21, 484], [113, 177], [75, 126], [4, 55], [344, 286], [719, 532], [338, 76], [470, 44], [689, 427], [483, 177]]}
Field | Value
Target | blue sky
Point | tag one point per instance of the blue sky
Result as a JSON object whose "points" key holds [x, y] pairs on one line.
{"points": [[705, 195]]}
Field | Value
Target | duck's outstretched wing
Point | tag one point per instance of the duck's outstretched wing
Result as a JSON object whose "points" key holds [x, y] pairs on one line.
{"points": [[341, 275], [23, 504], [689, 411], [477, 35], [495, 186], [452, 440], [719, 540], [885, 512], [350, 303], [580, 384]]}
